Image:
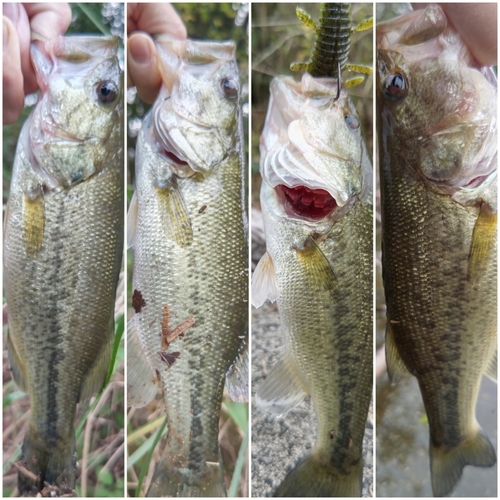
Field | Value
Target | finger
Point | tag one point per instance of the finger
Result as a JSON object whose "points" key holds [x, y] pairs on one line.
{"points": [[49, 20], [142, 66], [477, 25], [17, 15], [155, 18], [13, 94]]}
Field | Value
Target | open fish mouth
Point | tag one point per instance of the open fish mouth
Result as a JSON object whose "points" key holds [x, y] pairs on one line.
{"points": [[312, 204], [172, 157]]}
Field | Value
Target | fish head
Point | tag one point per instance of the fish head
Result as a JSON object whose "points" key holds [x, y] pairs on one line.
{"points": [[441, 108], [312, 155], [196, 115], [79, 114]]}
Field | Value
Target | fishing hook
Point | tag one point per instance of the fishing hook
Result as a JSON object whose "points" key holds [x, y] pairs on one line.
{"points": [[338, 84]]}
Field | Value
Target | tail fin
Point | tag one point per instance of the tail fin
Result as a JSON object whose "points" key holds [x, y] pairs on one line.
{"points": [[446, 466], [169, 481], [310, 478], [38, 467]]}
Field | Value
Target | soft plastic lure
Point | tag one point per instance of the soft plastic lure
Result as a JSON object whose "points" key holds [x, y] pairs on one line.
{"points": [[333, 41]]}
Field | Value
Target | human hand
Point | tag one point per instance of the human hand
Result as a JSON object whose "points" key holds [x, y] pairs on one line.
{"points": [[477, 25], [153, 18], [19, 20]]}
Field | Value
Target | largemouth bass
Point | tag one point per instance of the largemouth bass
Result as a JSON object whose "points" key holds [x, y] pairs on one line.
{"points": [[438, 157], [63, 245], [316, 199], [189, 230]]}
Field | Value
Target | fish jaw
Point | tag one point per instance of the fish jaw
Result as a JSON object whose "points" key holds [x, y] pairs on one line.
{"points": [[312, 155], [446, 114], [197, 113], [79, 108]]}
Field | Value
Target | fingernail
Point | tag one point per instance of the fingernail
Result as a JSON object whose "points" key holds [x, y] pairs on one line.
{"points": [[12, 11], [139, 50]]}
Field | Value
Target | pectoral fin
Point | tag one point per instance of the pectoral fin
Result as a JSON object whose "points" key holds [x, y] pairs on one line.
{"points": [[34, 224], [483, 243], [141, 382], [174, 215], [264, 285], [316, 266], [282, 389]]}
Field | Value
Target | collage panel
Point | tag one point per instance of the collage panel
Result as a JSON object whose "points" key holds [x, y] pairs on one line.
{"points": [[166, 313], [188, 261], [437, 137], [62, 250], [312, 250]]}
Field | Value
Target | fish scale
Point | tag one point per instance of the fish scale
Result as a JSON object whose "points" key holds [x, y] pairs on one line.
{"points": [[45, 300], [218, 311]]}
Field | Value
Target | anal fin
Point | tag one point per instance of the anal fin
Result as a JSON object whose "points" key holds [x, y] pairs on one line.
{"points": [[282, 389], [395, 365], [16, 366], [491, 367], [94, 379], [237, 378], [141, 382]]}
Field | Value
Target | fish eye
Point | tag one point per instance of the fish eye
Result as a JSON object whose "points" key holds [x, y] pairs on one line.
{"points": [[352, 122], [230, 87], [106, 91], [395, 86]]}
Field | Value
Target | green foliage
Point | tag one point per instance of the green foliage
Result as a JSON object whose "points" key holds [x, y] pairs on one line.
{"points": [[145, 464], [87, 18], [239, 413]]}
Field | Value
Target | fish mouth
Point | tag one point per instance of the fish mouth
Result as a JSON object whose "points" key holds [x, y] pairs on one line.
{"points": [[310, 204], [166, 150], [170, 155]]}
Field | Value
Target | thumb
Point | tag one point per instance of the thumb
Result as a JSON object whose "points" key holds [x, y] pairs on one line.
{"points": [[13, 84]]}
